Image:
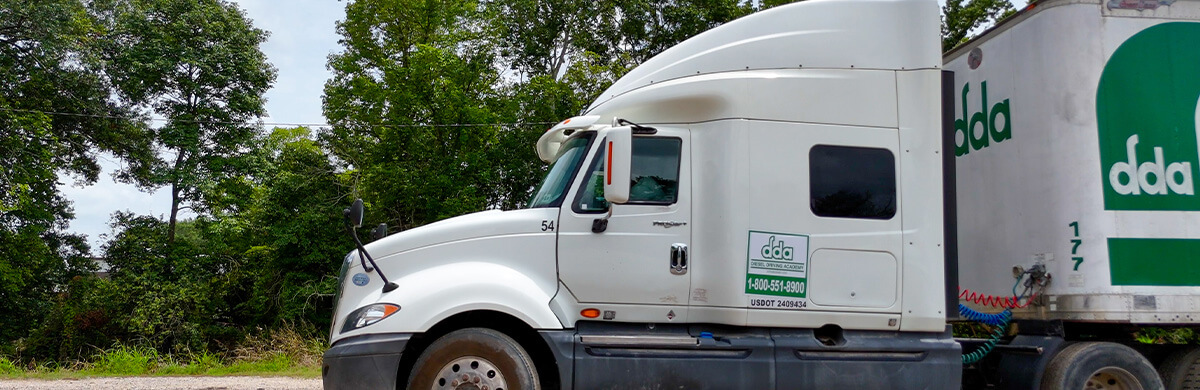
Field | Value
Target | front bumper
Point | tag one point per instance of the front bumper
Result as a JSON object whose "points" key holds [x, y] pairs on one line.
{"points": [[364, 362]]}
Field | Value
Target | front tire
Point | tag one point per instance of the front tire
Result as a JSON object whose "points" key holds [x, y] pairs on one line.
{"points": [[474, 359], [1100, 365]]}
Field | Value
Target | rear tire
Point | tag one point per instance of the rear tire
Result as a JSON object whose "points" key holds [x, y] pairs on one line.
{"points": [[1181, 370], [474, 358], [1100, 365]]}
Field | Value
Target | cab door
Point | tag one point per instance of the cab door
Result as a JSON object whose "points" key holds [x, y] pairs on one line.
{"points": [[637, 264]]}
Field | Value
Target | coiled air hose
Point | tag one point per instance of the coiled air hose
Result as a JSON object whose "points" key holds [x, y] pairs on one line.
{"points": [[999, 320]]}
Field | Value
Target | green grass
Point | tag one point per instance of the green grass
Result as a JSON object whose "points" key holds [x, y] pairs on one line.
{"points": [[282, 353], [8, 368], [1152, 335], [135, 362]]}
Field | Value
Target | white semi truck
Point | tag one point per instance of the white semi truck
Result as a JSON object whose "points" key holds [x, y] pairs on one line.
{"points": [[792, 200]]}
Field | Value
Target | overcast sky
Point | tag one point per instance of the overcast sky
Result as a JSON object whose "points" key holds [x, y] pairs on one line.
{"points": [[302, 36]]}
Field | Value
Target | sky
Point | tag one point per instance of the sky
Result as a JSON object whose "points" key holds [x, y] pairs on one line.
{"points": [[302, 37]]}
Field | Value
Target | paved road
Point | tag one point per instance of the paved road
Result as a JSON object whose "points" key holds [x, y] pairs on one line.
{"points": [[168, 383]]}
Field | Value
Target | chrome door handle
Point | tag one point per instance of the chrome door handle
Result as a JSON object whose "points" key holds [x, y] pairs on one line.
{"points": [[679, 259]]}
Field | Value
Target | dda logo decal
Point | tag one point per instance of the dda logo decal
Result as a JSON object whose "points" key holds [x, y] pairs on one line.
{"points": [[1146, 111], [777, 265], [979, 130], [776, 250]]}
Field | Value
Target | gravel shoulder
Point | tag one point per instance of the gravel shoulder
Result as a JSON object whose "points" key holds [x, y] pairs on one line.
{"points": [[168, 383]]}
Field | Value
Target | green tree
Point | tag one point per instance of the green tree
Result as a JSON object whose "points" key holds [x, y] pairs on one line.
{"points": [[297, 238], [636, 30], [764, 4], [961, 17], [411, 71], [56, 116], [198, 63]]}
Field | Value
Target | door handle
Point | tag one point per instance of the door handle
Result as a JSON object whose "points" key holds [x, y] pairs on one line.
{"points": [[679, 259]]}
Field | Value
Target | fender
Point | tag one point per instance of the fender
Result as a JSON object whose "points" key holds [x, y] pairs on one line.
{"points": [[431, 295]]}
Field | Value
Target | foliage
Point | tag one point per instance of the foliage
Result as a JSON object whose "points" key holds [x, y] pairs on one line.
{"points": [[48, 63], [198, 63], [415, 76], [962, 17], [7, 367], [1153, 335], [291, 355], [125, 361], [294, 215]]}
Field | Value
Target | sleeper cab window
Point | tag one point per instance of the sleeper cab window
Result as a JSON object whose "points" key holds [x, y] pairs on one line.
{"points": [[654, 176], [852, 182]]}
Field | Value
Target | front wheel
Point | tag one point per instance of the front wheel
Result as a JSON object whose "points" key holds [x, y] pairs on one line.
{"points": [[1100, 365], [474, 359]]}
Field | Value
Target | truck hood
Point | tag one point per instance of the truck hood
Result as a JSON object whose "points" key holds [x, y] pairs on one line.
{"points": [[465, 227]]}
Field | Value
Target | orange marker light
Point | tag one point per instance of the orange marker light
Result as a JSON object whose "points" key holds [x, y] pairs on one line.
{"points": [[608, 168], [567, 121], [590, 313], [389, 309]]}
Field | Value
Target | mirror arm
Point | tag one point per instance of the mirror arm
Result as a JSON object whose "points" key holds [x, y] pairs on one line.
{"points": [[599, 225], [388, 286], [637, 129]]}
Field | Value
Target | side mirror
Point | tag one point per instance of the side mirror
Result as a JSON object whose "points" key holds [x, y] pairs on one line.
{"points": [[379, 231], [354, 214], [619, 148]]}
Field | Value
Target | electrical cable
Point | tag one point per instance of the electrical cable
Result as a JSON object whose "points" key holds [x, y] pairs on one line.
{"points": [[286, 124]]}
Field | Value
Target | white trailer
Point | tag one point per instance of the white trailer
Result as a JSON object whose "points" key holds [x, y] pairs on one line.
{"points": [[1075, 127]]}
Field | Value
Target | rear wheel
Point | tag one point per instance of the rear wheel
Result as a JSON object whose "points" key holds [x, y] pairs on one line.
{"points": [[1100, 365], [474, 359], [1181, 370]]}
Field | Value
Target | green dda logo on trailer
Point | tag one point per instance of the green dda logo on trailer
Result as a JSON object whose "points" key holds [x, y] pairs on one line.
{"points": [[1146, 111], [980, 129]]}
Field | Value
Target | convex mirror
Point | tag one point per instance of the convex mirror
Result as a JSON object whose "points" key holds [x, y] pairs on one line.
{"points": [[354, 214], [619, 155]]}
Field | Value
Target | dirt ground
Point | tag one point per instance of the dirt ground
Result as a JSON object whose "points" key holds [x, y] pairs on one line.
{"points": [[167, 383]]}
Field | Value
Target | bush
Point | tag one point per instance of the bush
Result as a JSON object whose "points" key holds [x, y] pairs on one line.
{"points": [[8, 368], [125, 361]]}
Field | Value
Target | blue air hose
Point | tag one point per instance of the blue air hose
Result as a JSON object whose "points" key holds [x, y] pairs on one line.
{"points": [[996, 319], [999, 320]]}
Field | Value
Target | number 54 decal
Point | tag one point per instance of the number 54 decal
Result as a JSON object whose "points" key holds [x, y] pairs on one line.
{"points": [[548, 225]]}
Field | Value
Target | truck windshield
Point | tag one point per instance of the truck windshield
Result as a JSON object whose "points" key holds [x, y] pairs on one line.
{"points": [[550, 193]]}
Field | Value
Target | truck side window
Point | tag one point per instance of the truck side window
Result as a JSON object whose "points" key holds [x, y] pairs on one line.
{"points": [[852, 182], [655, 175]]}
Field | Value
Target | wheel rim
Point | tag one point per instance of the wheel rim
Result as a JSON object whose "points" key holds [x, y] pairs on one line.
{"points": [[469, 373], [1112, 378]]}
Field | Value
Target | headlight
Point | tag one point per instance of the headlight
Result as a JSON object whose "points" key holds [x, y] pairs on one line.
{"points": [[368, 315]]}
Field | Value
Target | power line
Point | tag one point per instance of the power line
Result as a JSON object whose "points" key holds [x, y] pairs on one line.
{"points": [[282, 124]]}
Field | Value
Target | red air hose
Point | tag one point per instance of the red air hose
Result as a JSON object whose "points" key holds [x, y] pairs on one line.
{"points": [[994, 301]]}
